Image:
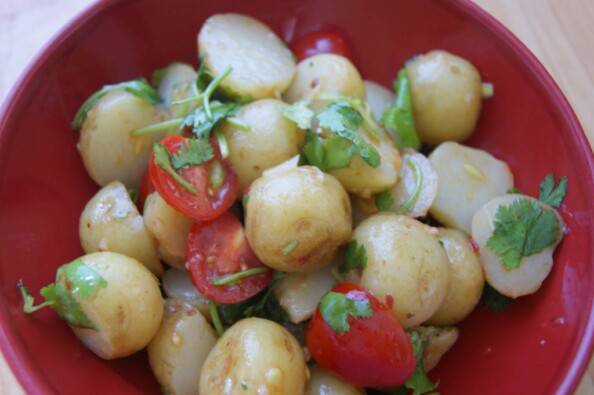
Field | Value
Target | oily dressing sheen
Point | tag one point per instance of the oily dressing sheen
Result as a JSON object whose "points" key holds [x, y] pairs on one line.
{"points": [[322, 382]]}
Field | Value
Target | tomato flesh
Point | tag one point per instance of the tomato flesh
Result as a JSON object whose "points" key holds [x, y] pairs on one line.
{"points": [[321, 42], [208, 203], [375, 352], [218, 248]]}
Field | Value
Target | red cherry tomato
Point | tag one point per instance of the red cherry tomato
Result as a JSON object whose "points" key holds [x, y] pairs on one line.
{"points": [[374, 352], [146, 188], [220, 248], [210, 201], [321, 42]]}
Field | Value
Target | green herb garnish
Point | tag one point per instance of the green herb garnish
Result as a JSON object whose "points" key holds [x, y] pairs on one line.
{"points": [[384, 201], [233, 278], [399, 119], [163, 160], [290, 247], [195, 152], [494, 300], [336, 308], [551, 194], [299, 113]]}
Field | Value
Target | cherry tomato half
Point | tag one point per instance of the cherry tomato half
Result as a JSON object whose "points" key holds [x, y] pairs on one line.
{"points": [[321, 42], [146, 188], [374, 352], [210, 201], [220, 248]]}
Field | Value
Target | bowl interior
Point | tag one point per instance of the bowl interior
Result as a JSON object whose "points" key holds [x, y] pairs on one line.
{"points": [[539, 345]]}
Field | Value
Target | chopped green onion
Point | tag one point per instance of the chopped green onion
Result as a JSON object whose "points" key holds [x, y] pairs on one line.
{"points": [[157, 127], [238, 123], [211, 88], [487, 90], [230, 279], [290, 247], [215, 318], [408, 205], [163, 160], [28, 300], [398, 119], [223, 146]]}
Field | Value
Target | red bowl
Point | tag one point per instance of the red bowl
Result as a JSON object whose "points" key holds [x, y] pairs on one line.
{"points": [[541, 345]]}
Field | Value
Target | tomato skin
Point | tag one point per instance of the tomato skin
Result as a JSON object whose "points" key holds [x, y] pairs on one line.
{"points": [[146, 188], [321, 42], [201, 206], [220, 247], [375, 352]]}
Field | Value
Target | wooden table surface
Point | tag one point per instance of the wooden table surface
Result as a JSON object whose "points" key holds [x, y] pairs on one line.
{"points": [[559, 32]]}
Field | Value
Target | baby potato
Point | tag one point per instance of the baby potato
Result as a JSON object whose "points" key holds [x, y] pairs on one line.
{"points": [[108, 151], [405, 261], [111, 222], [180, 347], [177, 284], [126, 313], [175, 82], [325, 74], [300, 293], [169, 227], [297, 218], [528, 277], [262, 65], [446, 96], [466, 279], [378, 98], [468, 178], [439, 341], [323, 382], [270, 140], [255, 356], [361, 179]]}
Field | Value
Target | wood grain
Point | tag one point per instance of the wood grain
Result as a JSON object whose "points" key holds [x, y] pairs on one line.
{"points": [[559, 32]]}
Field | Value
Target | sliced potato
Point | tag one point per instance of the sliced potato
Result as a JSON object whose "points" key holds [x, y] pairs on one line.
{"points": [[446, 96], [296, 218], [322, 382], [255, 356], [169, 227], [378, 98], [361, 179], [300, 293], [175, 82], [439, 341], [126, 312], [325, 74], [177, 284], [270, 140], [262, 65], [468, 178], [108, 151], [111, 222], [528, 277], [405, 261], [466, 279], [180, 347]]}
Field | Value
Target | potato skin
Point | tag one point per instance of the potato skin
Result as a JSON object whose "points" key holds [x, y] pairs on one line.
{"points": [[462, 192], [180, 347], [446, 96], [302, 204], [328, 74], [127, 312], [111, 222], [255, 356], [323, 382], [406, 261], [169, 227], [378, 98], [270, 140], [262, 65], [108, 151], [466, 279]]}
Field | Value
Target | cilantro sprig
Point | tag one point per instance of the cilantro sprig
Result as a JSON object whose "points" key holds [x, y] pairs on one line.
{"points": [[398, 119], [299, 113], [336, 308], [163, 160], [73, 280], [551, 194], [138, 87], [494, 300], [195, 152]]}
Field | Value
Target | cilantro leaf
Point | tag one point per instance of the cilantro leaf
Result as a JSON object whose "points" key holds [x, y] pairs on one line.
{"points": [[194, 152], [163, 160], [354, 257], [522, 229], [384, 201], [338, 152], [418, 382], [336, 308], [494, 300], [202, 124], [138, 87], [299, 113], [399, 119], [551, 194], [313, 151]]}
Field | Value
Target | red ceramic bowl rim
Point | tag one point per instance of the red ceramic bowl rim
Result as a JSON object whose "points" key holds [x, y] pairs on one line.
{"points": [[26, 371]]}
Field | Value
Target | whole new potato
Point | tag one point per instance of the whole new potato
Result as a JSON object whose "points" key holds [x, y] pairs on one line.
{"points": [[296, 218]]}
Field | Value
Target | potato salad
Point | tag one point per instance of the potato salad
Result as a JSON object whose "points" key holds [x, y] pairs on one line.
{"points": [[271, 223]]}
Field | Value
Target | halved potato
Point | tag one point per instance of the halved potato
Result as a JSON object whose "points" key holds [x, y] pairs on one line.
{"points": [[378, 98], [262, 65], [177, 284], [528, 277], [175, 82], [322, 382], [468, 178]]}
